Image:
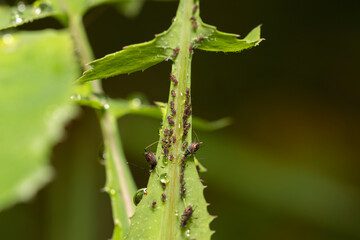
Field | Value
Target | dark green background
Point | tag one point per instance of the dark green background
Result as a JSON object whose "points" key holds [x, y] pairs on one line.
{"points": [[288, 167]]}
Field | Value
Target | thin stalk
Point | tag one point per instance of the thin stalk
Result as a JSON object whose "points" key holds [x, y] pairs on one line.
{"points": [[119, 177], [182, 70]]}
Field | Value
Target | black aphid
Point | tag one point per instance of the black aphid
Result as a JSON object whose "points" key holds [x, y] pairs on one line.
{"points": [[163, 197], [192, 148], [186, 216]]}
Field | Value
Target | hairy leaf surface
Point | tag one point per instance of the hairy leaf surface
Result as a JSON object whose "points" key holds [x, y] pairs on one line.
{"points": [[34, 103]]}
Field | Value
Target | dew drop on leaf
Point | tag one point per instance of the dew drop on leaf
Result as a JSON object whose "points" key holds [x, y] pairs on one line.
{"points": [[7, 39], [21, 6], [139, 195], [164, 178], [16, 17], [40, 7]]}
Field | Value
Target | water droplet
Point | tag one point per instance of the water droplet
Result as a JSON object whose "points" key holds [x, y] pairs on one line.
{"points": [[117, 221], [41, 7], [164, 178], [72, 97], [187, 233], [21, 6], [136, 102], [181, 93], [176, 213], [7, 39], [112, 192], [139, 195], [16, 18], [106, 106], [78, 97]]}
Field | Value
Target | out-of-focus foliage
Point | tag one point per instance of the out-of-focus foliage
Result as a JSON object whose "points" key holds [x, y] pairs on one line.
{"points": [[34, 103]]}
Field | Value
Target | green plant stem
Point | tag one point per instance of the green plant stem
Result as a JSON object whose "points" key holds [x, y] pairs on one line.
{"points": [[120, 173], [182, 70]]}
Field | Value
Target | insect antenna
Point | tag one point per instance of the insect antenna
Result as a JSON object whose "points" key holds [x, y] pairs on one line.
{"points": [[150, 145]]}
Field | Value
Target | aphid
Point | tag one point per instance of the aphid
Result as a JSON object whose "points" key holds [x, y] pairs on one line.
{"points": [[194, 25], [183, 192], [174, 139], [182, 177], [163, 196], [198, 167], [176, 51], [187, 99], [172, 105], [163, 185], [185, 144], [173, 93], [187, 91], [171, 157], [186, 215], [183, 167], [166, 151], [171, 121], [171, 132], [182, 185], [185, 133], [187, 126], [173, 112], [153, 204], [191, 48], [165, 141], [193, 18], [195, 8], [172, 77], [192, 148], [166, 131], [199, 39]]}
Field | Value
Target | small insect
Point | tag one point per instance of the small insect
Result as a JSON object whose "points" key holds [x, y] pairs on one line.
{"points": [[194, 25], [183, 192], [187, 91], [163, 197], [153, 204], [163, 185], [182, 177], [173, 112], [185, 144], [182, 185], [186, 216], [198, 168], [193, 147], [191, 49], [193, 19], [171, 121], [183, 167], [185, 133], [171, 157], [150, 157], [176, 51], [174, 139], [171, 132], [172, 77], [195, 8], [173, 93], [199, 39], [166, 131], [172, 105]]}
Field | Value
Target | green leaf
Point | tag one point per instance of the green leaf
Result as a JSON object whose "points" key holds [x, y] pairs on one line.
{"points": [[37, 69], [144, 55], [226, 42], [21, 14]]}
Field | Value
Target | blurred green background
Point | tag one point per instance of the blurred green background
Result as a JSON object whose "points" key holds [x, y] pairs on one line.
{"points": [[288, 167]]}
